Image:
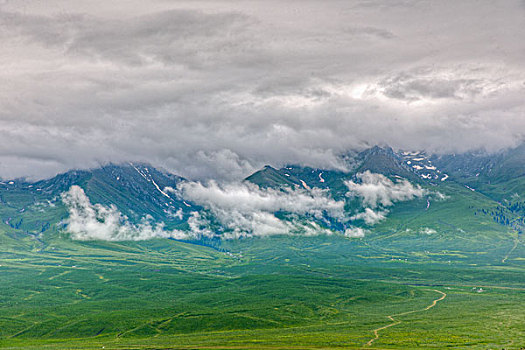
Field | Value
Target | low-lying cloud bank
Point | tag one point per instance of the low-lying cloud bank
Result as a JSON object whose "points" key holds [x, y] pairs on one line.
{"points": [[244, 209], [98, 222], [377, 192], [238, 210]]}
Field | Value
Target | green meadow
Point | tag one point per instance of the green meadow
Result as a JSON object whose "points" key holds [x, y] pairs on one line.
{"points": [[268, 293]]}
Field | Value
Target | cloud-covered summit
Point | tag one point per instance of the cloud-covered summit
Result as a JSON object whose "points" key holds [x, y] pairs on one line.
{"points": [[218, 89]]}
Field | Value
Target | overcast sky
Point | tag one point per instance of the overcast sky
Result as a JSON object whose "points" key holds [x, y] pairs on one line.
{"points": [[220, 88]]}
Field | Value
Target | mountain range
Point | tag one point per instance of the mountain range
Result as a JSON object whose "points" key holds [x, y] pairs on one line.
{"points": [[496, 181]]}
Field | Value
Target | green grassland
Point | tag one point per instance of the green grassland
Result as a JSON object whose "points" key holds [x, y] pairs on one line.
{"points": [[280, 292]]}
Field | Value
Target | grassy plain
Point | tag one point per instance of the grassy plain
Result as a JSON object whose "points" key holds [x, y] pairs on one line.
{"points": [[307, 293]]}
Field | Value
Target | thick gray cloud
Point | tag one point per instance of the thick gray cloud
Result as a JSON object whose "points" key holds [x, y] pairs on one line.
{"points": [[219, 88]]}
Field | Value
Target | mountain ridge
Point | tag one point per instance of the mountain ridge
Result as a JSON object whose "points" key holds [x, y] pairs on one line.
{"points": [[140, 191]]}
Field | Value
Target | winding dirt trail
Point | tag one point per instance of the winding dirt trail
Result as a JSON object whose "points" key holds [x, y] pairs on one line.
{"points": [[516, 242], [396, 322]]}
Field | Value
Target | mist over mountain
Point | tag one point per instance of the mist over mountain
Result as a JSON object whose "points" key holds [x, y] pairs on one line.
{"points": [[138, 202]]}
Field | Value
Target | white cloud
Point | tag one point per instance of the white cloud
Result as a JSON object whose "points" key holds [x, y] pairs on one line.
{"points": [[377, 190], [355, 232], [236, 210], [98, 222], [176, 215], [440, 196], [427, 231], [244, 209], [370, 216]]}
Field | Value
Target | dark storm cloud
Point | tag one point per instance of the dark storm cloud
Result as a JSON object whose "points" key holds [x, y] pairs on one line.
{"points": [[219, 88]]}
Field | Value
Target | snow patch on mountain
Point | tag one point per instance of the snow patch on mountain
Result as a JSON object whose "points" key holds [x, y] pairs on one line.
{"points": [[147, 176], [304, 184], [421, 164]]}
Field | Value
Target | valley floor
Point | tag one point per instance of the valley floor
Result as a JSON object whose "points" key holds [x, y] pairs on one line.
{"points": [[163, 294]]}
